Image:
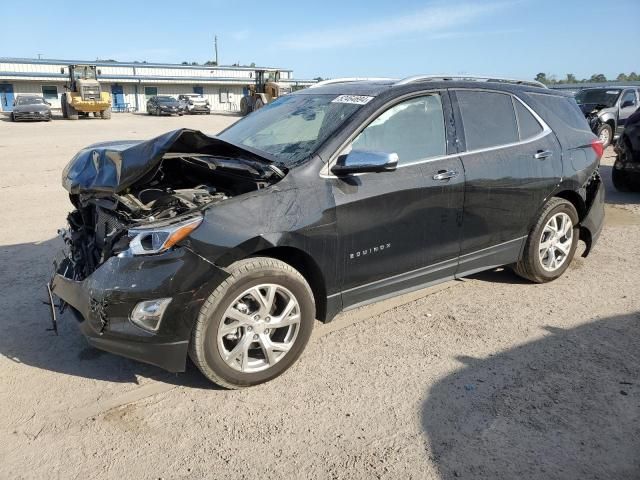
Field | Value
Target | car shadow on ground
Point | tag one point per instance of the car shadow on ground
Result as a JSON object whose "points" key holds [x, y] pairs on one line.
{"points": [[562, 407], [25, 318]]}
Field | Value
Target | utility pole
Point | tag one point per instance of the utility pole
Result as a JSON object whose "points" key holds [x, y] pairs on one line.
{"points": [[215, 47], [39, 56]]}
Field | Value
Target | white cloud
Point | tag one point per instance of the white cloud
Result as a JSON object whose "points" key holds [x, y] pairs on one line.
{"points": [[435, 19]]}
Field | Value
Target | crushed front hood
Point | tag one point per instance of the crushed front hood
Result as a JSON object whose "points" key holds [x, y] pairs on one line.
{"points": [[112, 167]]}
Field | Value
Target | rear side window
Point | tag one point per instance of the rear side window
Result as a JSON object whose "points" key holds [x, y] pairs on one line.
{"points": [[414, 129], [527, 124], [565, 108], [488, 119]]}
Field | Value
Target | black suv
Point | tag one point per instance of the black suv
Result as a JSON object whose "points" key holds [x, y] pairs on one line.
{"points": [[227, 248]]}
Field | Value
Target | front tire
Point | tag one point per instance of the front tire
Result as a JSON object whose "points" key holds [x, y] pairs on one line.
{"points": [[255, 325], [551, 244], [13, 117], [605, 134], [106, 114]]}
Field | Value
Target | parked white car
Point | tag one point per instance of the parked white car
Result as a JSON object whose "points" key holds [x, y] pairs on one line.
{"points": [[194, 103]]}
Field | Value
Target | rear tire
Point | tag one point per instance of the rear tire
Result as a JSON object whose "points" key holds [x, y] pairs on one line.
{"points": [[547, 255], [268, 350], [13, 117], [106, 114], [605, 134]]}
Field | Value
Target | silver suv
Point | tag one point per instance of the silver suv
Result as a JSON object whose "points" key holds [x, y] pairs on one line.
{"points": [[194, 103]]}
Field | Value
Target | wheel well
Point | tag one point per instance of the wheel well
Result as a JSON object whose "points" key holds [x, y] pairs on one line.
{"points": [[309, 269], [612, 124], [576, 200]]}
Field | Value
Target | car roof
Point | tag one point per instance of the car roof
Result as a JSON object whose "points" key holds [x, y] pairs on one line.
{"points": [[375, 87]]}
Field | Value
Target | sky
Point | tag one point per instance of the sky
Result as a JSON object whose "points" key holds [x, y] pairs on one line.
{"points": [[332, 38]]}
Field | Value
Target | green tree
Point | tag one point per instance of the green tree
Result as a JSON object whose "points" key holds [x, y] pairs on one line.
{"points": [[598, 78], [542, 77], [622, 77], [571, 78], [633, 77], [210, 63]]}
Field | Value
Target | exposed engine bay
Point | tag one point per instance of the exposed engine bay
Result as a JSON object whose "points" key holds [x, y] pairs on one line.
{"points": [[179, 186]]}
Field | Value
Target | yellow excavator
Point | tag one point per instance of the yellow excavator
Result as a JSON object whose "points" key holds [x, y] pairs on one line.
{"points": [[84, 95], [266, 89]]}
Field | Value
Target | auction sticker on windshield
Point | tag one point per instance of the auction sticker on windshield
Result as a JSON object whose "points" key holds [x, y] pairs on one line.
{"points": [[357, 99]]}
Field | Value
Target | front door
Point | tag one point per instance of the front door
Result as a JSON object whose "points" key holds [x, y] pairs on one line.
{"points": [[512, 162], [399, 230], [6, 97], [117, 95], [628, 105]]}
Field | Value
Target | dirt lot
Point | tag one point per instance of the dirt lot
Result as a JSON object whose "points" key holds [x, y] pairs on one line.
{"points": [[490, 377]]}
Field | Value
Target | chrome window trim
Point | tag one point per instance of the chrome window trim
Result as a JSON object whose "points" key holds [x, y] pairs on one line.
{"points": [[325, 171]]}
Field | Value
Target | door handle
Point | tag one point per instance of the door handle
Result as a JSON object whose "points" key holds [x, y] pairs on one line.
{"points": [[542, 154], [445, 174]]}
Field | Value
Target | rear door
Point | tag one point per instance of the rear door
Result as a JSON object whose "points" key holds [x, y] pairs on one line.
{"points": [[512, 162], [401, 229]]}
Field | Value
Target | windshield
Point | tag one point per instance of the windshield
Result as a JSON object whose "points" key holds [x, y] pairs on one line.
{"points": [[29, 101], [166, 99], [84, 73], [598, 96], [292, 127]]}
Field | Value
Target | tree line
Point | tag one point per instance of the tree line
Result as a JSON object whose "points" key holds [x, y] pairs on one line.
{"points": [[595, 78]]}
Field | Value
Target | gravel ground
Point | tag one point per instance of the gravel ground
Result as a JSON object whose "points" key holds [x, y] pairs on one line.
{"points": [[490, 377]]}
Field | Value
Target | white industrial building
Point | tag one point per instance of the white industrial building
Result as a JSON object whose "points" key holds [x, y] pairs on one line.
{"points": [[131, 84]]}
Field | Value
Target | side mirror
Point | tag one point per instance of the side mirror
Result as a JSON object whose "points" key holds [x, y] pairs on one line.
{"points": [[365, 161], [628, 103], [48, 103]]}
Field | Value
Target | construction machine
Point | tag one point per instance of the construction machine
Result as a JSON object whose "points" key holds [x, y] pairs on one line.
{"points": [[267, 88], [83, 93]]}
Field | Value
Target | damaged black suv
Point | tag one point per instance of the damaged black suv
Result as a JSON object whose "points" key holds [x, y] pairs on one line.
{"points": [[226, 248]]}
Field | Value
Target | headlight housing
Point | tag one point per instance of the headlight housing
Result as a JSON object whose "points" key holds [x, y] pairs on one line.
{"points": [[151, 240]]}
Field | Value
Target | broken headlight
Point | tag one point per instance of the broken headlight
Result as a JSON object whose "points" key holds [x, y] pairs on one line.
{"points": [[150, 240]]}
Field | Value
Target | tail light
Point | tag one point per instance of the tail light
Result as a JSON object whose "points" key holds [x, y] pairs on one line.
{"points": [[598, 148]]}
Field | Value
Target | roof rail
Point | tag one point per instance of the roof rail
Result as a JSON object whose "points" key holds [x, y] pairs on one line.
{"points": [[473, 78], [349, 79]]}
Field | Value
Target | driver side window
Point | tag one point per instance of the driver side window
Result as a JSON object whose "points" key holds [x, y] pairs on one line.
{"points": [[629, 96], [414, 129]]}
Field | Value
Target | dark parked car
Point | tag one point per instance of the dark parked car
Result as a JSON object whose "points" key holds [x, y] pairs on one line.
{"points": [[612, 106], [31, 107], [227, 248], [164, 105], [626, 169]]}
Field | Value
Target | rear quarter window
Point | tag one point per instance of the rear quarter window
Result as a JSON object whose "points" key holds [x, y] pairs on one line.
{"points": [[564, 117], [565, 108]]}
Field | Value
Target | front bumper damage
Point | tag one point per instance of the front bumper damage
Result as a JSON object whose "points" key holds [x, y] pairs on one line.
{"points": [[102, 303]]}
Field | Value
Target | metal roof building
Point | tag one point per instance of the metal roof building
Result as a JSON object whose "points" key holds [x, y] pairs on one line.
{"points": [[131, 84]]}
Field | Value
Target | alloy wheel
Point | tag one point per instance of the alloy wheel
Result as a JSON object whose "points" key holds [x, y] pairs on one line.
{"points": [[259, 328], [555, 242]]}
